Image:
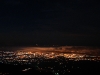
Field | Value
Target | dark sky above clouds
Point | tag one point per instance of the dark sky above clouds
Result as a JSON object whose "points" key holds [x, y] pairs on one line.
{"points": [[48, 22]]}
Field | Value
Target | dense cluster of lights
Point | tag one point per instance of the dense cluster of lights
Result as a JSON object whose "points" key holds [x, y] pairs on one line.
{"points": [[26, 56], [59, 59]]}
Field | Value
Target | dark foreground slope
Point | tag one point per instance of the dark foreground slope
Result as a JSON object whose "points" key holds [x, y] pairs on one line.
{"points": [[72, 68]]}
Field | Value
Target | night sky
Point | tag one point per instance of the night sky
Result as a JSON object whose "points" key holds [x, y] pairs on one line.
{"points": [[49, 22]]}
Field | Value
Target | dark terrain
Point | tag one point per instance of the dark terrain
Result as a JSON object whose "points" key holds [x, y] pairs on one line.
{"points": [[72, 68]]}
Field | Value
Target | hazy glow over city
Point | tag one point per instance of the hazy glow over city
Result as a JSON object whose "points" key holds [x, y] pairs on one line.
{"points": [[63, 49], [52, 52]]}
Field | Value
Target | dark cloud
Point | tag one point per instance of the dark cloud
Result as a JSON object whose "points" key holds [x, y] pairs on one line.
{"points": [[28, 21], [12, 2]]}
